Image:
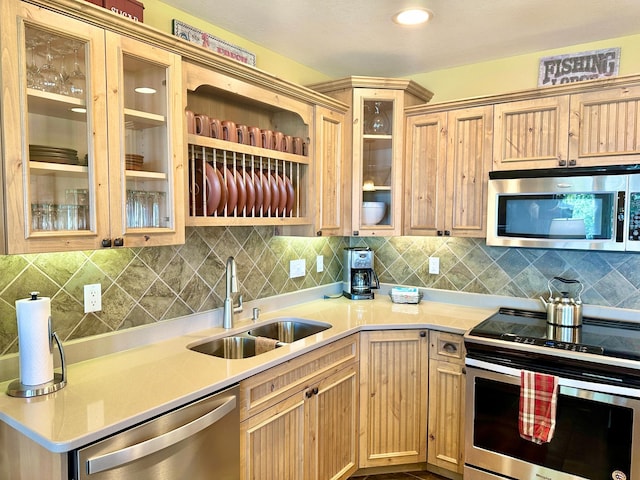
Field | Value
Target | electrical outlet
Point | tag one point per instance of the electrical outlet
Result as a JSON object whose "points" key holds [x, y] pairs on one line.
{"points": [[297, 268], [92, 298], [319, 263], [434, 265]]}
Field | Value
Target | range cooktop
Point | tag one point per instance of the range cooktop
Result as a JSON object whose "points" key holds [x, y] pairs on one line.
{"points": [[610, 338]]}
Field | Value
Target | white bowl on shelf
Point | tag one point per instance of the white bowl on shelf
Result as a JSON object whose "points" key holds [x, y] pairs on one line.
{"points": [[373, 212]]}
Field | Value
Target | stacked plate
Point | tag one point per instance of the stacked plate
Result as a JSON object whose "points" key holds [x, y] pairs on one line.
{"points": [[42, 153], [133, 161]]}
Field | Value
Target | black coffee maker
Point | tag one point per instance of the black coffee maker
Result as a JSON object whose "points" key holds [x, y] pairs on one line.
{"points": [[359, 278]]}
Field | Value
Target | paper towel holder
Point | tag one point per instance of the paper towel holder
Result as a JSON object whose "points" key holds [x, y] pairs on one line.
{"points": [[19, 389]]}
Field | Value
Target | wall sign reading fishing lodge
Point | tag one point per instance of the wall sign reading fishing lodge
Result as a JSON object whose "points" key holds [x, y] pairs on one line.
{"points": [[578, 67]]}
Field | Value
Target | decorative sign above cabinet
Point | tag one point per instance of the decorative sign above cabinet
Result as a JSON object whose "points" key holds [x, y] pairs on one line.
{"points": [[194, 35], [578, 67]]}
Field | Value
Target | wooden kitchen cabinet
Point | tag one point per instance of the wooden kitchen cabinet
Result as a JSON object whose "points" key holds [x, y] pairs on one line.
{"points": [[596, 127], [607, 126], [448, 157], [299, 419], [332, 175], [282, 179], [531, 133], [376, 144], [393, 397], [23, 459], [89, 161], [446, 401]]}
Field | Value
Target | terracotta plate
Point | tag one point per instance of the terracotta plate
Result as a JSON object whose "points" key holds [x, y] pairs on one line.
{"points": [[223, 192], [214, 192], [291, 195]]}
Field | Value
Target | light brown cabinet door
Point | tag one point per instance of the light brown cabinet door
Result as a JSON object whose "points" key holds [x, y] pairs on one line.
{"points": [[605, 127], [425, 172], [531, 133], [377, 161], [468, 164], [446, 172], [446, 401], [393, 397], [272, 443], [333, 426], [333, 215]]}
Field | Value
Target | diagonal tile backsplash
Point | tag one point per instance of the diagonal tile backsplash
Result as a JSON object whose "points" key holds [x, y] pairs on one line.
{"points": [[146, 285], [468, 265]]}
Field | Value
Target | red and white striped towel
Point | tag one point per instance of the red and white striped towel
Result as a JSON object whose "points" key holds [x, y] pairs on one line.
{"points": [[538, 400]]}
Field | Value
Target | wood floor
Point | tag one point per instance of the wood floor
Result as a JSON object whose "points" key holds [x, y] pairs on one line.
{"points": [[402, 476]]}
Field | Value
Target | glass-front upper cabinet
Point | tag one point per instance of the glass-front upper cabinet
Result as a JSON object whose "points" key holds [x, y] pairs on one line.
{"points": [[377, 161], [67, 164], [145, 154]]}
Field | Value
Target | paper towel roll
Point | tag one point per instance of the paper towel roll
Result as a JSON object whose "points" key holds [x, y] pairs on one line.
{"points": [[34, 340]]}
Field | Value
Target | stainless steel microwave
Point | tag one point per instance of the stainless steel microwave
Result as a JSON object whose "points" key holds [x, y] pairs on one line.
{"points": [[579, 208]]}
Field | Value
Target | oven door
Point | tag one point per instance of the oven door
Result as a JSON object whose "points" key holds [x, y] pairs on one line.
{"points": [[597, 435]]}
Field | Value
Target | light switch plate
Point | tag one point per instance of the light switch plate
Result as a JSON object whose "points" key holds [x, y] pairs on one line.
{"points": [[319, 263], [434, 265], [297, 268]]}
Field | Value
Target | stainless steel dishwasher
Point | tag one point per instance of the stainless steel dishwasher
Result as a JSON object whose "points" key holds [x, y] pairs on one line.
{"points": [[198, 441]]}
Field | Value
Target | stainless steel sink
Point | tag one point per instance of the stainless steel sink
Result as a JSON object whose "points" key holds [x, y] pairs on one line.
{"points": [[229, 347], [288, 330]]}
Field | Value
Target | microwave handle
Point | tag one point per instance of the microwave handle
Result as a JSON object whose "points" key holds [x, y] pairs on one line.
{"points": [[620, 214]]}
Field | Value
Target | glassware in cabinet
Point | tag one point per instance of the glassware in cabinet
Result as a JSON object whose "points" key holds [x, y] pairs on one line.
{"points": [[377, 167], [145, 175], [53, 67]]}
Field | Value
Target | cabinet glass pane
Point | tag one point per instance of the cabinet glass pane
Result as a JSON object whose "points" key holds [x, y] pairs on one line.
{"points": [[57, 131], [147, 159], [377, 162]]}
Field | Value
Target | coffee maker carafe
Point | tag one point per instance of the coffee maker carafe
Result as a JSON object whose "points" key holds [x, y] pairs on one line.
{"points": [[359, 278]]}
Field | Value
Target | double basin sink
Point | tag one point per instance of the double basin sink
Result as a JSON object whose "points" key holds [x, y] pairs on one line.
{"points": [[261, 339]]}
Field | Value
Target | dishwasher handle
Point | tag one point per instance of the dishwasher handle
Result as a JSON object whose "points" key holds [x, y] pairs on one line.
{"points": [[155, 444]]}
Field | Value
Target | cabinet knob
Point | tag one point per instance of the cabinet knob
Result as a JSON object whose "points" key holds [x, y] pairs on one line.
{"points": [[432, 437], [423, 333], [572, 163], [439, 233], [308, 393], [356, 233], [319, 233], [447, 233], [106, 242], [118, 242], [562, 163]]}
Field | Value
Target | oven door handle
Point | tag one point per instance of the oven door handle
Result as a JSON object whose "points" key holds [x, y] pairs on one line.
{"points": [[567, 385], [155, 444]]}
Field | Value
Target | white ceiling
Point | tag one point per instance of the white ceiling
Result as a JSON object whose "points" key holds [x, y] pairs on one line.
{"points": [[357, 37]]}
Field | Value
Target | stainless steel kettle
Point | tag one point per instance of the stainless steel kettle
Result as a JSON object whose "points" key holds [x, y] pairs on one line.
{"points": [[564, 311]]}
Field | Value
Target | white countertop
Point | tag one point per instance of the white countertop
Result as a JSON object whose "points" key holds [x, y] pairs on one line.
{"points": [[112, 392]]}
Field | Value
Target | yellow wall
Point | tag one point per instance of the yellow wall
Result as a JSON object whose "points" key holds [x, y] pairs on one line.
{"points": [[485, 78], [159, 15], [515, 73]]}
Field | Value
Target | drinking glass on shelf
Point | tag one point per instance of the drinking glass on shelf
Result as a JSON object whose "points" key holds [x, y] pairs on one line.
{"points": [[77, 75], [50, 79]]}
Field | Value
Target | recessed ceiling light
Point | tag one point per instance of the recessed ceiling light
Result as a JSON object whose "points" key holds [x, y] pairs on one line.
{"points": [[148, 90], [413, 16]]}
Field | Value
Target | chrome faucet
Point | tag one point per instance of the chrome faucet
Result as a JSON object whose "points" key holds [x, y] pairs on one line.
{"points": [[232, 287]]}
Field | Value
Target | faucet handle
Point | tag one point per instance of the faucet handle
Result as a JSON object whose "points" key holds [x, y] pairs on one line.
{"points": [[256, 314], [238, 308]]}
